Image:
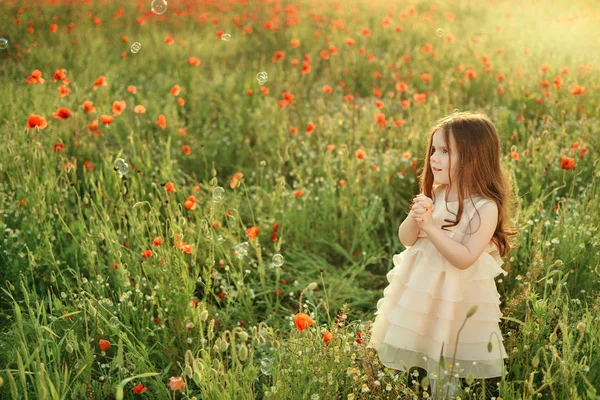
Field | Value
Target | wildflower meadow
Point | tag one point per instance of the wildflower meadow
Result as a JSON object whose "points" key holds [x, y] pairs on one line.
{"points": [[201, 199]]}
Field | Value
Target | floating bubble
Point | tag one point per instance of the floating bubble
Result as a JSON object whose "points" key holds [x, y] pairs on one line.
{"points": [[241, 250], [121, 166], [266, 366], [3, 43], [439, 32], [114, 321], [226, 37], [262, 77], [456, 110], [218, 193], [278, 260], [136, 47], [159, 6]]}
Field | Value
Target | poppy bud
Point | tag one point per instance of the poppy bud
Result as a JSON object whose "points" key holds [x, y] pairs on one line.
{"points": [[243, 352], [204, 315]]}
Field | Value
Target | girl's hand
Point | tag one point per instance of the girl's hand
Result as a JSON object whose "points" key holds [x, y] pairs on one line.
{"points": [[421, 211]]}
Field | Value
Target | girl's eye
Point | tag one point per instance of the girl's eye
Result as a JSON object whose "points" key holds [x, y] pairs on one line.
{"points": [[433, 150]]}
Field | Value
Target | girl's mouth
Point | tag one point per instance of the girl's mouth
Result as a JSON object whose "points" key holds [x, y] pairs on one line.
{"points": [[435, 169]]}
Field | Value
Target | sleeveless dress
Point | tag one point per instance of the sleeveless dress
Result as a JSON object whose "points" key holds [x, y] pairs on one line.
{"points": [[427, 300]]}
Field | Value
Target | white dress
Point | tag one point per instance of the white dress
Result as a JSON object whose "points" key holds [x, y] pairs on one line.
{"points": [[427, 300]]}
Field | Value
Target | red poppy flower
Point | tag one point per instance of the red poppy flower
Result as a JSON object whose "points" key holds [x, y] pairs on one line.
{"points": [[101, 81], [252, 232], [161, 121], [176, 383], [303, 321], [567, 163], [62, 113], [104, 344], [107, 119], [139, 389], [88, 106], [35, 77], [118, 107], [36, 121], [194, 62]]}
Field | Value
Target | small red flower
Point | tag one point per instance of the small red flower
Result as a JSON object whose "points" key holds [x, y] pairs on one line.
{"points": [[107, 119], [567, 163], [104, 344], [101, 81], [161, 121], [62, 113], [193, 61], [35, 77], [303, 321], [170, 187], [252, 232], [36, 121], [139, 389]]}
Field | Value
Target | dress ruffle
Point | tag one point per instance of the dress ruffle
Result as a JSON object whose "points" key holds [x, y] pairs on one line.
{"points": [[425, 305]]}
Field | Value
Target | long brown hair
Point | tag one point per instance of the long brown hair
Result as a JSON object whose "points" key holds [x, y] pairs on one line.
{"points": [[479, 170]]}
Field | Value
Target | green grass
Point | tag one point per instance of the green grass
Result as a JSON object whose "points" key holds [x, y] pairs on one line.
{"points": [[64, 229]]}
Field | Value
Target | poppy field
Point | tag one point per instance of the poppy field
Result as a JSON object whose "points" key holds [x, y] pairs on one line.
{"points": [[201, 199]]}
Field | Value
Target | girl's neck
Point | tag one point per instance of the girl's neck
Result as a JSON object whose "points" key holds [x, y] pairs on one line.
{"points": [[453, 193]]}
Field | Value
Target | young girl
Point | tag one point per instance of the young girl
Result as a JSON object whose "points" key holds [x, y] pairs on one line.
{"points": [[455, 237]]}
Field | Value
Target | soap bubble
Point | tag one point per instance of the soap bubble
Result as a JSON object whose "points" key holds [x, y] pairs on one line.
{"points": [[241, 250], [159, 6], [114, 321], [226, 37], [439, 32], [278, 260], [218, 193], [265, 366], [121, 166], [136, 47], [262, 77], [3, 43], [456, 110]]}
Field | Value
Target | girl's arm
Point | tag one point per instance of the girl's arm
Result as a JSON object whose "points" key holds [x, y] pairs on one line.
{"points": [[408, 231]]}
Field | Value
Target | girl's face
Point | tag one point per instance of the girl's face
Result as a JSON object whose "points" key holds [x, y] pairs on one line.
{"points": [[440, 156]]}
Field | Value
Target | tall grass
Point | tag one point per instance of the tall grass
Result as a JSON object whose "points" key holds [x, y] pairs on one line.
{"points": [[74, 264]]}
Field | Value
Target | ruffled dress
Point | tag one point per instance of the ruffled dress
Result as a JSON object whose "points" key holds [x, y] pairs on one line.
{"points": [[427, 300]]}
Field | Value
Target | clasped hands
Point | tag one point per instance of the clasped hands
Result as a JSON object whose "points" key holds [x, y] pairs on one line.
{"points": [[421, 211]]}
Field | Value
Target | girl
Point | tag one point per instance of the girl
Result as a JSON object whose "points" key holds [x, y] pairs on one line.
{"points": [[455, 237]]}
